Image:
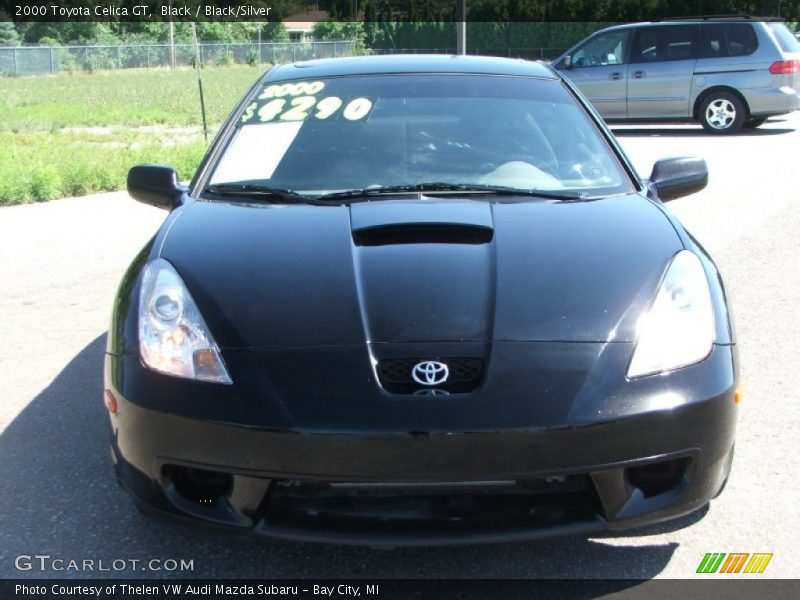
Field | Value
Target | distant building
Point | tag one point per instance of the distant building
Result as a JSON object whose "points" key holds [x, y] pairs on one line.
{"points": [[300, 27]]}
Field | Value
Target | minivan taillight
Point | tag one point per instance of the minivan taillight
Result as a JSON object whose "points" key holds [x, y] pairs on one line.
{"points": [[785, 67]]}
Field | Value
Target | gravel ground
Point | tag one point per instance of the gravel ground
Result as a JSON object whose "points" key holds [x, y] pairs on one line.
{"points": [[60, 263]]}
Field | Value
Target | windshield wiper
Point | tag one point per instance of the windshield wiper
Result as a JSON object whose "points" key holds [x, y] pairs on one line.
{"points": [[256, 190], [435, 187]]}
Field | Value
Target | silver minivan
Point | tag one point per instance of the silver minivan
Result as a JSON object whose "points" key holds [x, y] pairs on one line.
{"points": [[727, 73]]}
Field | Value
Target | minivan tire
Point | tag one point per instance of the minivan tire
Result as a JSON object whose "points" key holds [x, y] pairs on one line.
{"points": [[722, 113]]}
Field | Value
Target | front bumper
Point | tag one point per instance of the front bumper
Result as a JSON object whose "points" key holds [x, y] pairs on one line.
{"points": [[652, 463]]}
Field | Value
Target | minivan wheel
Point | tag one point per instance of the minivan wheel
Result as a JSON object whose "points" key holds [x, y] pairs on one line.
{"points": [[722, 112]]}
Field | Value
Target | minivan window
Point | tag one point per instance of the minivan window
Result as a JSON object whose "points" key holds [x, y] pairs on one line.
{"points": [[604, 49], [660, 43], [719, 40], [786, 40]]}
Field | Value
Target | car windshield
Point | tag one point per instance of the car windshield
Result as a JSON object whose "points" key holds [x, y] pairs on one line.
{"points": [[342, 134]]}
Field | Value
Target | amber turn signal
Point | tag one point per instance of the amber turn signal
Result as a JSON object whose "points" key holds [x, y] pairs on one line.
{"points": [[111, 402]]}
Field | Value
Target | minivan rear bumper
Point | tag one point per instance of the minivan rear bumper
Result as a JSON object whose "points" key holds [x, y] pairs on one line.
{"points": [[764, 102]]}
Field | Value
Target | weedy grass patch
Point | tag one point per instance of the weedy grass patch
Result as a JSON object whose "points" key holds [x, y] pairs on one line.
{"points": [[70, 135], [41, 166]]}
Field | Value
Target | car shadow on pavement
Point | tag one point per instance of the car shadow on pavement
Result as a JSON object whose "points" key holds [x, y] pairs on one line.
{"points": [[694, 132], [61, 499]]}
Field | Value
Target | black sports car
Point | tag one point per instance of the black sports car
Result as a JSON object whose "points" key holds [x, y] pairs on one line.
{"points": [[420, 300]]}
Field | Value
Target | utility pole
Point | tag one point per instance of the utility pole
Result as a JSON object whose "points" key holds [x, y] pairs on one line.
{"points": [[171, 38], [461, 27]]}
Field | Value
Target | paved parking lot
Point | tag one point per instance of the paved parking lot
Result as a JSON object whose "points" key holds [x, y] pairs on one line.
{"points": [[59, 266]]}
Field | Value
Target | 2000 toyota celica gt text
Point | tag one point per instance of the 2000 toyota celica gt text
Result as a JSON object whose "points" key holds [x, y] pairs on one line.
{"points": [[420, 300]]}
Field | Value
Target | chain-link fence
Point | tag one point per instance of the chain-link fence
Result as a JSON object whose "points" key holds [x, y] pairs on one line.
{"points": [[528, 53], [34, 59]]}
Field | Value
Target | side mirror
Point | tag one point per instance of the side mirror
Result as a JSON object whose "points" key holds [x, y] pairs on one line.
{"points": [[566, 62], [156, 185], [677, 177]]}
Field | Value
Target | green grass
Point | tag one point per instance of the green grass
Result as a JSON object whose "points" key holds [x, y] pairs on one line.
{"points": [[125, 97], [69, 135], [41, 166]]}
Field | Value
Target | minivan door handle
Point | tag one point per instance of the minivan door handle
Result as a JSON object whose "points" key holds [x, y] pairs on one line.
{"points": [[615, 76], [639, 74]]}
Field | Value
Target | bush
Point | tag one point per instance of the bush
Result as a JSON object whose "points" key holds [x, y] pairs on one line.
{"points": [[252, 57], [77, 181], [226, 59], [45, 184], [14, 189]]}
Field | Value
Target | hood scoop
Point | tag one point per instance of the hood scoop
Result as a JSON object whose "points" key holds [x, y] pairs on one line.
{"points": [[385, 222], [434, 233]]}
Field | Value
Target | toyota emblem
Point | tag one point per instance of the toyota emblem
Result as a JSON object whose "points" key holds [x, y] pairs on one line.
{"points": [[430, 372]]}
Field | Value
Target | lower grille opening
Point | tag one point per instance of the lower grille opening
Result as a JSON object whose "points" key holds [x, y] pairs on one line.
{"points": [[659, 477], [198, 485], [435, 507]]}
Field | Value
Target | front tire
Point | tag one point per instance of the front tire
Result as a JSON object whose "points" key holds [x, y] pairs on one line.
{"points": [[722, 113]]}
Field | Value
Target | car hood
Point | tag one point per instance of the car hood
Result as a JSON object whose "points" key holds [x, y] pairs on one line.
{"points": [[421, 270]]}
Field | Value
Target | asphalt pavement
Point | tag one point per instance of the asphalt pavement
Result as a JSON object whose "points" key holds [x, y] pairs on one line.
{"points": [[60, 263]]}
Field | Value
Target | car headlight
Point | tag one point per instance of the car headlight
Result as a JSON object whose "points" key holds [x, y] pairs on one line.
{"points": [[678, 330], [173, 336]]}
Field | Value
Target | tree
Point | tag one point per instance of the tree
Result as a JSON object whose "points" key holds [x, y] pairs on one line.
{"points": [[70, 32], [274, 32], [372, 29], [333, 30], [8, 33]]}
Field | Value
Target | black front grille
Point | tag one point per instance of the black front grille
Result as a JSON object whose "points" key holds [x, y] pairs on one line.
{"points": [[449, 509], [396, 376]]}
